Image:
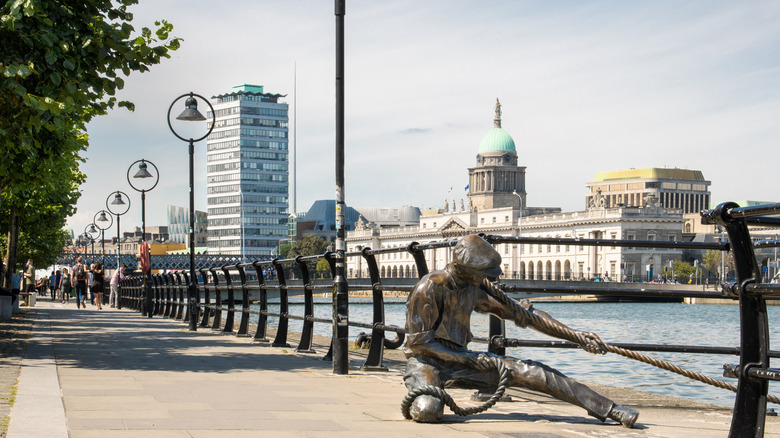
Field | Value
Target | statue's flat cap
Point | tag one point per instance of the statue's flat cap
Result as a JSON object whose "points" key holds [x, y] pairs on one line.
{"points": [[476, 253]]}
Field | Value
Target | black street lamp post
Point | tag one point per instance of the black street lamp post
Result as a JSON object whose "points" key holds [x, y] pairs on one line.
{"points": [[340, 291], [118, 204], [101, 218], [191, 113], [143, 174], [92, 233]]}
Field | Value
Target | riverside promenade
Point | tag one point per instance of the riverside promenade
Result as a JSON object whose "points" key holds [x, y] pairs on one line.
{"points": [[112, 373]]}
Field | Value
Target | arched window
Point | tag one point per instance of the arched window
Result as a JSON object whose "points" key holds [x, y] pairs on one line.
{"points": [[530, 270], [558, 270], [539, 270], [567, 270], [383, 271], [548, 270], [408, 272], [395, 271]]}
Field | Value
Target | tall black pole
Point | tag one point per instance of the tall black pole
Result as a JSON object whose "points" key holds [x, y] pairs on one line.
{"points": [[118, 261], [147, 286], [340, 292], [193, 306]]}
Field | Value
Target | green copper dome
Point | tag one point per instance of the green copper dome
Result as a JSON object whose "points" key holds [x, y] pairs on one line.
{"points": [[497, 140]]}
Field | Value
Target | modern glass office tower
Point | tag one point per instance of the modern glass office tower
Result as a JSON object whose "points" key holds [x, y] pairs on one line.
{"points": [[247, 173]]}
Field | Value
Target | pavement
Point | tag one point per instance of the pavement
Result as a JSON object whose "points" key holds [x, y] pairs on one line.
{"points": [[112, 373]]}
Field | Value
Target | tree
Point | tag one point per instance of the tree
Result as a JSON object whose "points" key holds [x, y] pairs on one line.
{"points": [[284, 250], [323, 268], [683, 271], [309, 245], [61, 64], [711, 260]]}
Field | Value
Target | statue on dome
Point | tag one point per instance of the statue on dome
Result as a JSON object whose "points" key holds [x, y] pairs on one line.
{"points": [[497, 119]]}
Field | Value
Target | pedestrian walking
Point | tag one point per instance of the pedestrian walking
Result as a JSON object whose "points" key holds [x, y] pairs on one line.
{"points": [[65, 287], [119, 274], [79, 282], [97, 285], [29, 277], [16, 281], [52, 284], [57, 284], [89, 284]]}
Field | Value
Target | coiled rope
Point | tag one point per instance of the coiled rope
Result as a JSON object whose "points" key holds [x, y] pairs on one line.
{"points": [[577, 337], [442, 395]]}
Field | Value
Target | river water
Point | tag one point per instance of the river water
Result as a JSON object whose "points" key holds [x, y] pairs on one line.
{"points": [[657, 323]]}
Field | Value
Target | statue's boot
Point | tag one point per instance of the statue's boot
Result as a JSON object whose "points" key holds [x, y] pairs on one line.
{"points": [[624, 415]]}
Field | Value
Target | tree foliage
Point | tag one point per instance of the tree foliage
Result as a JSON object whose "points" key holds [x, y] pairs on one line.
{"points": [[712, 260], [309, 245], [61, 64], [323, 268], [284, 250]]}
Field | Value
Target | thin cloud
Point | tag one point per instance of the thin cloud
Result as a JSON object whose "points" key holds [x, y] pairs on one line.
{"points": [[416, 131]]}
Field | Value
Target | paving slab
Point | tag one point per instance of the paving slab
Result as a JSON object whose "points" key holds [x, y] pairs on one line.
{"points": [[113, 373]]}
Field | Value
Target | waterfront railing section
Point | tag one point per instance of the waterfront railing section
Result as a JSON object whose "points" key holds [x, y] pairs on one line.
{"points": [[219, 288]]}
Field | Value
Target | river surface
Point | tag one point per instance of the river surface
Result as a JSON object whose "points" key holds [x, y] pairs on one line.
{"points": [[656, 323]]}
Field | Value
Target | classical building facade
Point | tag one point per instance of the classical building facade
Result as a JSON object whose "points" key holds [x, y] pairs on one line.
{"points": [[497, 206], [682, 189], [247, 175]]}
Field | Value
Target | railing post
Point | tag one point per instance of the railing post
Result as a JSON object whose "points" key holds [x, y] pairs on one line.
{"points": [[167, 299], [156, 281], [281, 332], [196, 301], [332, 264], [206, 300], [377, 348], [749, 415], [171, 295], [231, 301], [179, 299], [308, 309], [217, 324], [496, 329], [262, 318], [243, 326]]}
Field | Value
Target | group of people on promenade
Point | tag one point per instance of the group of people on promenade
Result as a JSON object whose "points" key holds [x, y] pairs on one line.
{"points": [[86, 282]]}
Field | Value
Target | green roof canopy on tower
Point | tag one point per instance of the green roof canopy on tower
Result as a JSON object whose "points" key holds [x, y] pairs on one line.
{"points": [[497, 139]]}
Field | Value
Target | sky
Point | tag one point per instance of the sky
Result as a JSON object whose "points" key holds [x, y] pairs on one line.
{"points": [[584, 87]]}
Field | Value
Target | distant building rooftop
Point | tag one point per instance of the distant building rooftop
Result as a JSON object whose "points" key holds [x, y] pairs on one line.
{"points": [[650, 173]]}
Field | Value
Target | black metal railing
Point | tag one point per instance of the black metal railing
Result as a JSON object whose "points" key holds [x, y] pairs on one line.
{"points": [[218, 287]]}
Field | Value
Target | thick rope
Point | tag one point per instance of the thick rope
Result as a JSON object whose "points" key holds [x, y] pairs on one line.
{"points": [[577, 337], [442, 395]]}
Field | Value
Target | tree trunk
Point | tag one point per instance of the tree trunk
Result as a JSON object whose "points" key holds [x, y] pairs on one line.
{"points": [[13, 245]]}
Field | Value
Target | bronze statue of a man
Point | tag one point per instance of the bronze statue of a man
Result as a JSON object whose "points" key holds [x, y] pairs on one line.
{"points": [[438, 314]]}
